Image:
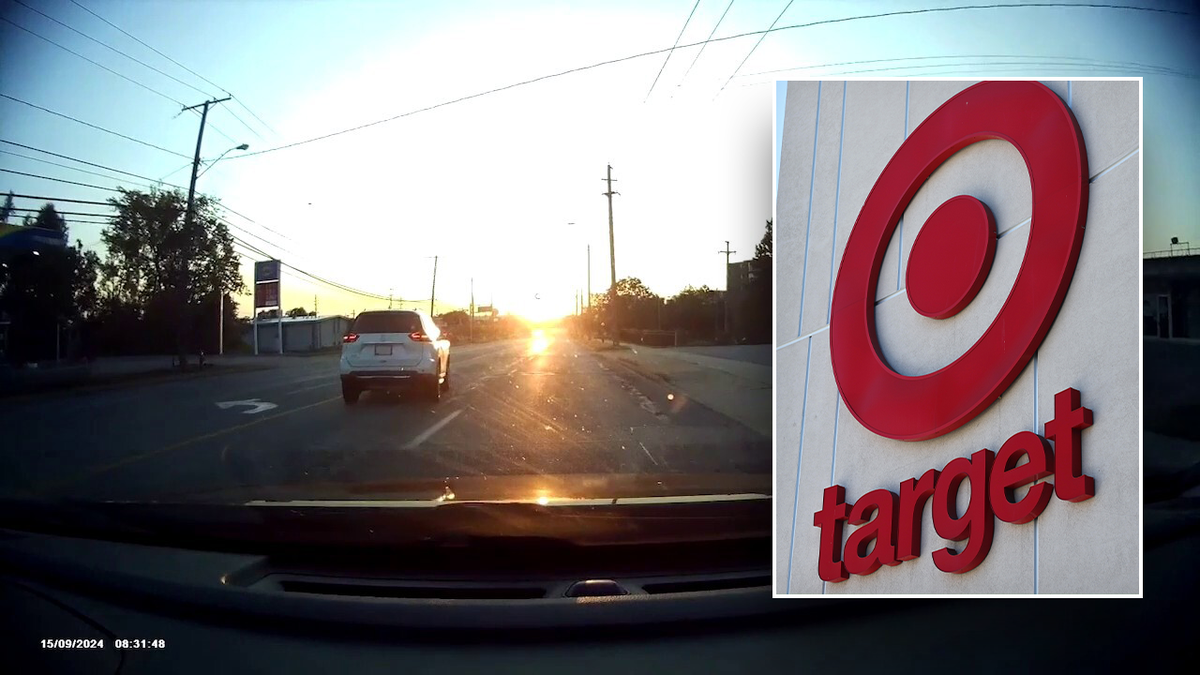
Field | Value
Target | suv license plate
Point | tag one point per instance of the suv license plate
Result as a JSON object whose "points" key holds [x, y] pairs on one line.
{"points": [[383, 350]]}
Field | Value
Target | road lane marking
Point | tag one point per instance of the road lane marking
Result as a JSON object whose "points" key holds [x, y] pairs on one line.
{"points": [[648, 453], [425, 435], [315, 386], [175, 446], [552, 501], [256, 405]]}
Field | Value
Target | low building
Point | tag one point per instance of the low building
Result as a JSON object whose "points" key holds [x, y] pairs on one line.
{"points": [[300, 334], [1171, 293]]}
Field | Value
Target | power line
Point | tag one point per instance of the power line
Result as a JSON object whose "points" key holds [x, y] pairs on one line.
{"points": [[99, 166], [310, 275], [705, 43], [260, 120], [62, 213], [147, 46], [262, 239], [58, 180], [677, 38], [98, 65], [175, 171], [61, 199], [151, 181], [111, 48], [230, 111], [1084, 60], [756, 44], [631, 57], [89, 124]]}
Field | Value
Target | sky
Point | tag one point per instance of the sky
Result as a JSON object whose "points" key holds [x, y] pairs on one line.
{"points": [[505, 187]]}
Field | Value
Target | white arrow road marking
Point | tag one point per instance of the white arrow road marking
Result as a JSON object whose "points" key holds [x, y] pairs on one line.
{"points": [[424, 435], [256, 406]]}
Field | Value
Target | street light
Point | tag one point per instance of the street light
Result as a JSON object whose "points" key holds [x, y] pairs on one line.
{"points": [[220, 291], [243, 146]]}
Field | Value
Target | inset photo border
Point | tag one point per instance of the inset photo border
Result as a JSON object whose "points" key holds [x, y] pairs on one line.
{"points": [[958, 345]]}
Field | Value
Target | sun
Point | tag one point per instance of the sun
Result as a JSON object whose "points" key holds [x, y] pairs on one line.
{"points": [[541, 309]]}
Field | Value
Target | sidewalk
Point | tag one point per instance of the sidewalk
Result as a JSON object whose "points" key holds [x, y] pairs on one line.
{"points": [[737, 389], [116, 370]]}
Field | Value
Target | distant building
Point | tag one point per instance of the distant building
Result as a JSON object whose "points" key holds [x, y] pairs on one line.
{"points": [[1171, 293], [300, 334], [749, 320]]}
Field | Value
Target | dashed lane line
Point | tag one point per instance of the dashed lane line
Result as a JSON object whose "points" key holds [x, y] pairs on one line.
{"points": [[428, 433]]}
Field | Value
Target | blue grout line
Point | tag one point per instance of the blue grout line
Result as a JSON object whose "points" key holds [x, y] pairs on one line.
{"points": [[799, 457], [837, 198], [808, 228]]}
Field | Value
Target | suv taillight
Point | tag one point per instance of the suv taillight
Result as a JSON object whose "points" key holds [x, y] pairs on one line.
{"points": [[419, 336], [351, 337]]}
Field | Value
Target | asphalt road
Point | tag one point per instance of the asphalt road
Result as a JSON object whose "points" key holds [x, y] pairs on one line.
{"points": [[569, 410], [760, 354]]}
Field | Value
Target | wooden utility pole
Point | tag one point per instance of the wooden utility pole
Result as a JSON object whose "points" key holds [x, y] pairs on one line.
{"points": [[612, 264], [433, 290], [188, 217], [727, 252]]}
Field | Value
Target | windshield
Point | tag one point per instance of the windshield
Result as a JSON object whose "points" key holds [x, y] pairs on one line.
{"points": [[238, 295], [386, 322]]}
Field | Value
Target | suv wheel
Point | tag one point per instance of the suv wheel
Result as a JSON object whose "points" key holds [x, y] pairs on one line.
{"points": [[433, 390], [446, 378], [350, 394]]}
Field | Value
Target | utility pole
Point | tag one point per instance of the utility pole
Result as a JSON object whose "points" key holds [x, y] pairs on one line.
{"points": [[471, 324], [390, 298], [187, 219], [433, 290], [315, 305], [612, 263], [727, 253]]}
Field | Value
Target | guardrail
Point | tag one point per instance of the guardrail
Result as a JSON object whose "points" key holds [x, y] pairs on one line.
{"points": [[1171, 253]]}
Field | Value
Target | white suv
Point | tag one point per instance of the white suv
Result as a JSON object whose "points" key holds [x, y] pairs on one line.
{"points": [[394, 350]]}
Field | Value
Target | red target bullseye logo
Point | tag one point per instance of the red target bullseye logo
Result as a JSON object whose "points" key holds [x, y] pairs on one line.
{"points": [[951, 257]]}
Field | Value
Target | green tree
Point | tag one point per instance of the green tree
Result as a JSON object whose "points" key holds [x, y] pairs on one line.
{"points": [[48, 218], [763, 248], [695, 311], [297, 312], [637, 306], [756, 327], [7, 209], [43, 293], [165, 267]]}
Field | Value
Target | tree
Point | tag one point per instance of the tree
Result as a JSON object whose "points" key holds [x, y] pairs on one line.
{"points": [[757, 307], [456, 318], [164, 267], [44, 293], [695, 311], [637, 305], [7, 209], [49, 219], [763, 248], [297, 312]]}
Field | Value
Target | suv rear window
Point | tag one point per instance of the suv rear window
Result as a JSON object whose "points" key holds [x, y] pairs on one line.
{"points": [[386, 322]]}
